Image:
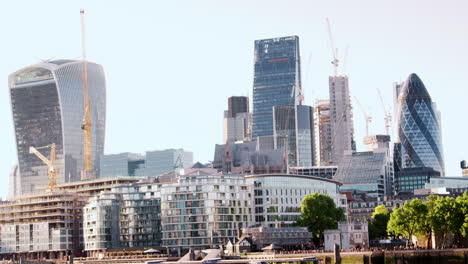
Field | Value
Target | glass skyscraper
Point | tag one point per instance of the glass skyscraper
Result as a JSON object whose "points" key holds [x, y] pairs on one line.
{"points": [[47, 106], [419, 135], [293, 132], [276, 80]]}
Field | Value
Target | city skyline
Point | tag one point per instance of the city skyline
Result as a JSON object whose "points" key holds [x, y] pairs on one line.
{"points": [[152, 54]]}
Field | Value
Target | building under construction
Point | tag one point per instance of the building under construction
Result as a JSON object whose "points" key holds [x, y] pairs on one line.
{"points": [[49, 225]]}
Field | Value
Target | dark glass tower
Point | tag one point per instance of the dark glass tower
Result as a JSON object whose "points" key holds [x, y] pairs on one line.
{"points": [[419, 134], [276, 80], [237, 104], [47, 105]]}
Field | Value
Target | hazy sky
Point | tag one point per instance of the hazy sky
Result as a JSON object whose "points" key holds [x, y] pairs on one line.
{"points": [[170, 65]]}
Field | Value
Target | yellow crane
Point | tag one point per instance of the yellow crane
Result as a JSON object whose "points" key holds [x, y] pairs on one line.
{"points": [[49, 162], [87, 173]]}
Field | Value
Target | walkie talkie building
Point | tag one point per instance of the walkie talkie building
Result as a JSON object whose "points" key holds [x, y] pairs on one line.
{"points": [[47, 106]]}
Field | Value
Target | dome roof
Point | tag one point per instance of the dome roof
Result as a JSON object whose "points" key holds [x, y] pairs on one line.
{"points": [[413, 88]]}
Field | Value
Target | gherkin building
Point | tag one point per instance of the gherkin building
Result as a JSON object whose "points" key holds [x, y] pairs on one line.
{"points": [[418, 128]]}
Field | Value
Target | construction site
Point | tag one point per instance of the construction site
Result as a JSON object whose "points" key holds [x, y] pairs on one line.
{"points": [[47, 222], [49, 225]]}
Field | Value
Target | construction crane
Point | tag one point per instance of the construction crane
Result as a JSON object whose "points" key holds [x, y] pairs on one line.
{"points": [[335, 60], [388, 116], [87, 173], [49, 162], [345, 61], [366, 116]]}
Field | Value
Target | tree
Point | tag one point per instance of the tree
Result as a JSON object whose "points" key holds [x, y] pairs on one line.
{"points": [[463, 203], [319, 212], [407, 220], [378, 222], [447, 217]]}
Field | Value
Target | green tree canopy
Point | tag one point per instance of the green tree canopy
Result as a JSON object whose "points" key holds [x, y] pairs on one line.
{"points": [[463, 203], [378, 222], [447, 217], [407, 220], [319, 212]]}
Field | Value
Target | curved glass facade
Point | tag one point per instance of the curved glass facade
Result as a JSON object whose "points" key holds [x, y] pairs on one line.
{"points": [[278, 196], [47, 106], [419, 135]]}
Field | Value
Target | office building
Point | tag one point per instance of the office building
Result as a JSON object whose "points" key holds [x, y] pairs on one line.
{"points": [[277, 197], [237, 120], [237, 105], [293, 133], [454, 186], [276, 80], [317, 171], [47, 106], [162, 161], [322, 134], [153, 163], [14, 183], [122, 164], [419, 141], [464, 168], [204, 210], [369, 172], [409, 179], [246, 158], [341, 118]]}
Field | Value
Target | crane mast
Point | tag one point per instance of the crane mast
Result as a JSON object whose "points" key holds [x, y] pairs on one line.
{"points": [[366, 116], [335, 60], [49, 162], [87, 173], [388, 116]]}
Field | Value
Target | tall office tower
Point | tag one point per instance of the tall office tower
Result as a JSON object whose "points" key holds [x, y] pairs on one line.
{"points": [[396, 90], [293, 133], [322, 134], [237, 104], [47, 105], [419, 141], [277, 80], [341, 117], [236, 123]]}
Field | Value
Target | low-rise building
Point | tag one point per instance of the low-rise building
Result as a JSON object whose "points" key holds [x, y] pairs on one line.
{"points": [[349, 235], [277, 197], [285, 237]]}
